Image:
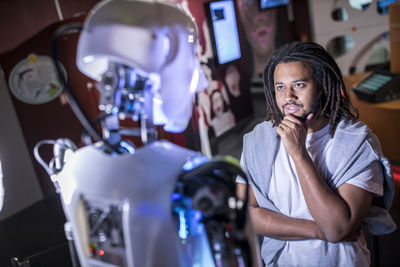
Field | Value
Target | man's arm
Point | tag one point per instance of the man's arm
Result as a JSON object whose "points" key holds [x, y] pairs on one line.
{"points": [[278, 226], [336, 213]]}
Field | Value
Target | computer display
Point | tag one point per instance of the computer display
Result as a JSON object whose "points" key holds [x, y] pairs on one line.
{"points": [[266, 4], [383, 6], [224, 31]]}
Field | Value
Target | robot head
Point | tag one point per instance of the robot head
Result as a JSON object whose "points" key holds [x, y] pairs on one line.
{"points": [[132, 46]]}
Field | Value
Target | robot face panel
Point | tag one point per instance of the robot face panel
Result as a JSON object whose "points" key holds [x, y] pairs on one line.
{"points": [[180, 80], [155, 38]]}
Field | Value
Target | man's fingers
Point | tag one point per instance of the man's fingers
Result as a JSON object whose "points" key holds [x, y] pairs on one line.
{"points": [[291, 122], [292, 119]]}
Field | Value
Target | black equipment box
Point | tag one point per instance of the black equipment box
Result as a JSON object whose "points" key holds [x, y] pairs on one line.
{"points": [[379, 86]]}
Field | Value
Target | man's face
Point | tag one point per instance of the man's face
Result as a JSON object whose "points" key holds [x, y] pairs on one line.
{"points": [[295, 89]]}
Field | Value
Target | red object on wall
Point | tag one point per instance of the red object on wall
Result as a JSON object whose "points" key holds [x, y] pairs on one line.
{"points": [[396, 175]]}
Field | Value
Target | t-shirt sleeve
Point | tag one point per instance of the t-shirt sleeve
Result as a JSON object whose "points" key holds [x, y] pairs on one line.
{"points": [[370, 179], [245, 159]]}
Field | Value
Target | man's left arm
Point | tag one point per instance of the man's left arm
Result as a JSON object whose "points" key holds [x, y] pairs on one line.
{"points": [[338, 213]]}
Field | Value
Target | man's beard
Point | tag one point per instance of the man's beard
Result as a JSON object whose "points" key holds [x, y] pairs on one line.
{"points": [[315, 106]]}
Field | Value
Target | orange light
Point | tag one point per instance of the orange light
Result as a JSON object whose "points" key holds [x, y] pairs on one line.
{"points": [[101, 252]]}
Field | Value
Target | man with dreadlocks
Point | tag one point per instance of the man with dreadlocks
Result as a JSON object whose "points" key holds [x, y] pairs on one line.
{"points": [[316, 172]]}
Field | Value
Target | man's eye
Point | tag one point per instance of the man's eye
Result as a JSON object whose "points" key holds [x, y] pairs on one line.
{"points": [[299, 85], [280, 87]]}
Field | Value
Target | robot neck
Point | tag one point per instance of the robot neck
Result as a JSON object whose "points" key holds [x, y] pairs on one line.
{"points": [[126, 93]]}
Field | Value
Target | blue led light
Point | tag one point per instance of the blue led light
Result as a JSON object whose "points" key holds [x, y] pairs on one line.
{"points": [[115, 110], [183, 231], [175, 197]]}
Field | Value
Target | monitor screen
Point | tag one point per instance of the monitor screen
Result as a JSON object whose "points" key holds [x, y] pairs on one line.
{"points": [[224, 30], [383, 6], [265, 4]]}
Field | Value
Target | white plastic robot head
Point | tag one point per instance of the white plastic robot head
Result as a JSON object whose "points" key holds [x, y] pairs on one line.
{"points": [[157, 40]]}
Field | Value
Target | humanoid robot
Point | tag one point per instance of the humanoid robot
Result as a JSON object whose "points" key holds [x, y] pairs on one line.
{"points": [[160, 204]]}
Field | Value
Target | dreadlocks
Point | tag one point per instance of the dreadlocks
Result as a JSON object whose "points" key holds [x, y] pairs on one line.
{"points": [[326, 74]]}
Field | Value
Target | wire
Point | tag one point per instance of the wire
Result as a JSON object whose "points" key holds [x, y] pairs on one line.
{"points": [[36, 153], [51, 164], [79, 113], [59, 12], [33, 256]]}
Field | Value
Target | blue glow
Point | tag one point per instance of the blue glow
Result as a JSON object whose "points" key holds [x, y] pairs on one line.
{"points": [[129, 107], [132, 79], [194, 162], [114, 110], [121, 83], [117, 99], [183, 231], [383, 6], [197, 215], [175, 197]]}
